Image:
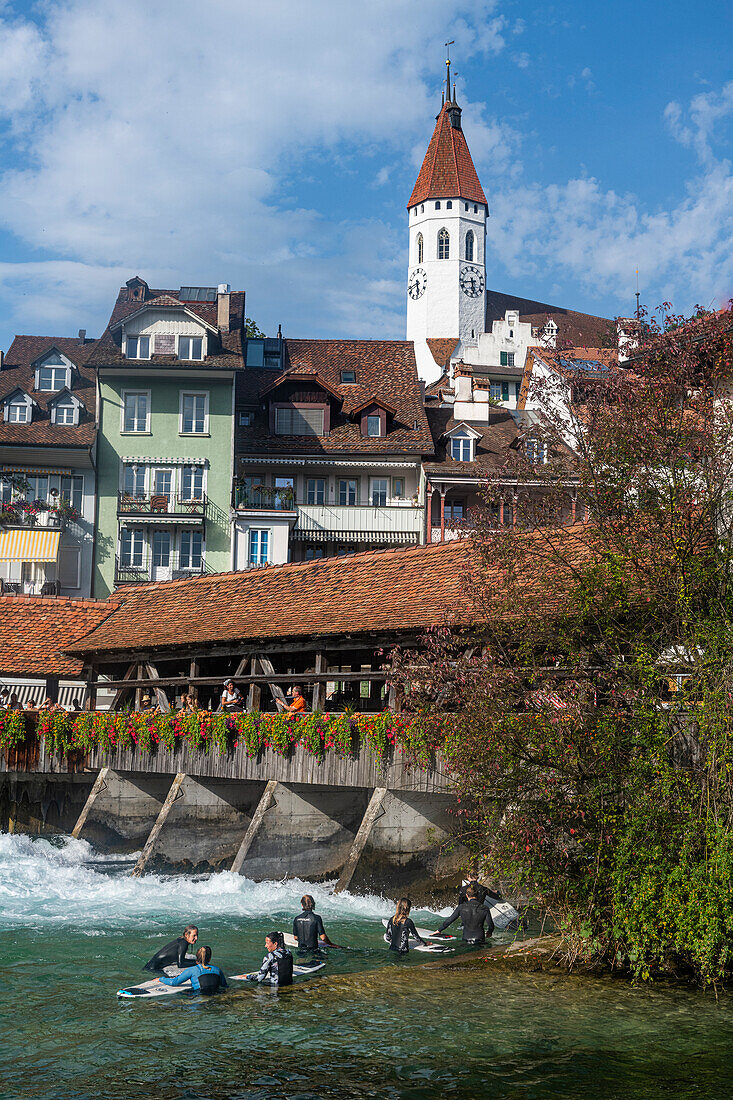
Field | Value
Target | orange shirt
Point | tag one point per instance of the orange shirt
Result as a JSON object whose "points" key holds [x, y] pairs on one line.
{"points": [[298, 705]]}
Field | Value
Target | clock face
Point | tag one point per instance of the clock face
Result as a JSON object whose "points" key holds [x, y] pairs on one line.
{"points": [[417, 282], [472, 282]]}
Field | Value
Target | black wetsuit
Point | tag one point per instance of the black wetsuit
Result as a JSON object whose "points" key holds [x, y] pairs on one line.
{"points": [[173, 954], [398, 935], [474, 915], [480, 891], [307, 928]]}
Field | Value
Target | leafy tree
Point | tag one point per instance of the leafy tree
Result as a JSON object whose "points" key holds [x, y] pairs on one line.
{"points": [[251, 329], [585, 700]]}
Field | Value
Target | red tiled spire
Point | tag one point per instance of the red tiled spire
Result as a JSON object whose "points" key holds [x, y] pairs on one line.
{"points": [[448, 171]]}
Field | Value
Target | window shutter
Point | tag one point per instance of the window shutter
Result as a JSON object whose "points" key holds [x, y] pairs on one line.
{"points": [[505, 391], [503, 358], [299, 421], [69, 566]]}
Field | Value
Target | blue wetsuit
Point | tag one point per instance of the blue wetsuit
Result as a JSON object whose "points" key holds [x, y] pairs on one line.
{"points": [[204, 979]]}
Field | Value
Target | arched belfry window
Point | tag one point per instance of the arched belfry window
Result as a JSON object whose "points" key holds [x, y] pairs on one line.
{"points": [[420, 248], [469, 244], [443, 245]]}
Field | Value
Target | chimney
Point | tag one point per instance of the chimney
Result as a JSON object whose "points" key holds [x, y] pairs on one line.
{"points": [[82, 335], [2, 359], [222, 310]]}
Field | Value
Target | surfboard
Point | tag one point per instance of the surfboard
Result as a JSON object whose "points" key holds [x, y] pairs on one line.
{"points": [[432, 948], [427, 934], [154, 990], [300, 970], [291, 941]]}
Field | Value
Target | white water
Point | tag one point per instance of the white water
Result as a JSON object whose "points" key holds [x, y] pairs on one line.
{"points": [[44, 883]]}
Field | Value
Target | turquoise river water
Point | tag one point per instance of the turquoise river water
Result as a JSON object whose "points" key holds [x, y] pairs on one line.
{"points": [[76, 927]]}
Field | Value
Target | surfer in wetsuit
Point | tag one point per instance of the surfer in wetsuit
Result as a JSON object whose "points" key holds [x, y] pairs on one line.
{"points": [[474, 915], [400, 928], [481, 892], [277, 965], [308, 928], [175, 953], [203, 977]]}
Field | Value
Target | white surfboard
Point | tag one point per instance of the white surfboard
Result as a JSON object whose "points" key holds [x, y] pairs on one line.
{"points": [[155, 989], [299, 971]]}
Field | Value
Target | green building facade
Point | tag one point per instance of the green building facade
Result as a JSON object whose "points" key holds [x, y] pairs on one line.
{"points": [[166, 368]]}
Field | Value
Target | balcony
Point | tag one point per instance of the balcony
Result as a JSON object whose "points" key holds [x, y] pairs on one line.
{"points": [[263, 498], [355, 523], [163, 508], [145, 568]]}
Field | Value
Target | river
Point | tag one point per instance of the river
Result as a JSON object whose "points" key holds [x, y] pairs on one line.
{"points": [[76, 927]]}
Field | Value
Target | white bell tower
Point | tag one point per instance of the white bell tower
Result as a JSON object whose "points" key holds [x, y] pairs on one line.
{"points": [[447, 212]]}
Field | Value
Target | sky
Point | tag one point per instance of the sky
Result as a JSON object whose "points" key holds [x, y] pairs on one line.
{"points": [[274, 146]]}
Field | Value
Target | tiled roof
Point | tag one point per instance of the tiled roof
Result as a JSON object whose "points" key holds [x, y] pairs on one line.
{"points": [[19, 373], [447, 170], [564, 360], [441, 349], [385, 370], [573, 328], [386, 590], [229, 356], [493, 449], [35, 629]]}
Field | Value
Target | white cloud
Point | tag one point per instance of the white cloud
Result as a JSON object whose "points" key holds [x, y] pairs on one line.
{"points": [[696, 128]]}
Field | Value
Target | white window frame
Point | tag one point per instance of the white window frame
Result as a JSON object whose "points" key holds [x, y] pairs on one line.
{"points": [[20, 401], [316, 482], [137, 338], [136, 535], [259, 531], [193, 393], [191, 358], [67, 402], [346, 481], [76, 495], [197, 471], [371, 417], [135, 431], [141, 469], [461, 441], [65, 385], [378, 503], [190, 535]]}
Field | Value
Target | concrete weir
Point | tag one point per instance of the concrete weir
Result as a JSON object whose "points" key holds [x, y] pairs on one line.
{"points": [[371, 825]]}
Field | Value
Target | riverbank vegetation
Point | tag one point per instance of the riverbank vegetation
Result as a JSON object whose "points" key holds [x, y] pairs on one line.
{"points": [[591, 729]]}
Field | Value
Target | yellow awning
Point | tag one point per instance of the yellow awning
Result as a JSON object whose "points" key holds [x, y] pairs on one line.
{"points": [[32, 545]]}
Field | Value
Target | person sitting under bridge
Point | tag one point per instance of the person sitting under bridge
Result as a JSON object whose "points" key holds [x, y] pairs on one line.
{"points": [[203, 977], [175, 954]]}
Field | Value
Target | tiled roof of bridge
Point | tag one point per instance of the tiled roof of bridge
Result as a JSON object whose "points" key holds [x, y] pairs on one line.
{"points": [[35, 629], [386, 590]]}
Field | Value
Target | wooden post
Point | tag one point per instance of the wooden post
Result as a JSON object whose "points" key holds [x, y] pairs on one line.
{"points": [[319, 688], [277, 691], [573, 507], [139, 691], [367, 824], [99, 786], [160, 695], [429, 501], [165, 809], [193, 671], [254, 695], [122, 691], [501, 510], [442, 514], [262, 806]]}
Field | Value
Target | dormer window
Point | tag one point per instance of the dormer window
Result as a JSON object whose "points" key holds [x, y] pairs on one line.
{"points": [[190, 347], [461, 447], [374, 426], [53, 374], [536, 451], [301, 420], [138, 347], [65, 410], [348, 376], [19, 408]]}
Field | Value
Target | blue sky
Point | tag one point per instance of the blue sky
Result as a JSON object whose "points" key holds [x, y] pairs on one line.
{"points": [[274, 147]]}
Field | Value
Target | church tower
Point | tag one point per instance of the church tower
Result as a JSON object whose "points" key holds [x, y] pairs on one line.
{"points": [[447, 212]]}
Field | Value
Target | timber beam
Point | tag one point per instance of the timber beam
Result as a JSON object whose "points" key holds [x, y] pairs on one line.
{"points": [[248, 678], [99, 786], [263, 806], [174, 793], [373, 811]]}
